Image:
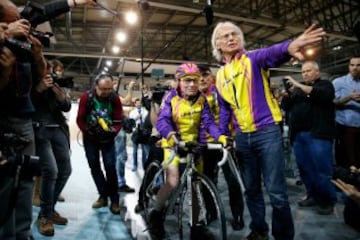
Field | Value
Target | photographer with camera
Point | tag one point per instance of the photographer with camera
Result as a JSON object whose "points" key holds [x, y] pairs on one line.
{"points": [[99, 118], [312, 129], [52, 146], [15, 114]]}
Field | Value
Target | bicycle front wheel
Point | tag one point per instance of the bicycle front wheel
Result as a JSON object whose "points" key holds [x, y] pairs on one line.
{"points": [[150, 186], [210, 214]]}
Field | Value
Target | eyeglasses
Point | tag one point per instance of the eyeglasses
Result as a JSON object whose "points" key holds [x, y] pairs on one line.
{"points": [[227, 36], [187, 80]]}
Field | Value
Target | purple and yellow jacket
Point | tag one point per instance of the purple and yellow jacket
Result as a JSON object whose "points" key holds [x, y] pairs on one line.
{"points": [[243, 84], [213, 102], [180, 115]]}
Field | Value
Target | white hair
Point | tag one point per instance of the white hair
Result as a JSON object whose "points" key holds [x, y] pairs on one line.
{"points": [[216, 51]]}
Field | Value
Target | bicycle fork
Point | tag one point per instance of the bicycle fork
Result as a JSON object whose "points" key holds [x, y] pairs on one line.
{"points": [[197, 212]]}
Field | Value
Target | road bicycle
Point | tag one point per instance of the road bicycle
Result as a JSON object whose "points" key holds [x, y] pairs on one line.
{"points": [[187, 208]]}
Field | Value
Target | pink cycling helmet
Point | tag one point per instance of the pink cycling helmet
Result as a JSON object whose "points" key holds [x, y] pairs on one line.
{"points": [[187, 69]]}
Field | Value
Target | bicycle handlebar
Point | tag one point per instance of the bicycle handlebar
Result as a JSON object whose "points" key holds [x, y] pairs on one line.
{"points": [[211, 146]]}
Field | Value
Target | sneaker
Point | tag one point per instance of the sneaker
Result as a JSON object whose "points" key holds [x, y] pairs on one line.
{"points": [[325, 209], [201, 232], [307, 202], [156, 224], [115, 208], [237, 224], [101, 202], [256, 236], [56, 218], [139, 208], [126, 189], [45, 226], [60, 198]]}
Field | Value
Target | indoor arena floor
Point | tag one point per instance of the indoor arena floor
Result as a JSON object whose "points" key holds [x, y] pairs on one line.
{"points": [[86, 223]]}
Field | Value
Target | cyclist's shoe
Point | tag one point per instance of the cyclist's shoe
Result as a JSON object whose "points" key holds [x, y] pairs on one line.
{"points": [[256, 236], [156, 224], [201, 232]]}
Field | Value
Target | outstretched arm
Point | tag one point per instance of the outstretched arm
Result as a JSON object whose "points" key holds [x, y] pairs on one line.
{"points": [[311, 35]]}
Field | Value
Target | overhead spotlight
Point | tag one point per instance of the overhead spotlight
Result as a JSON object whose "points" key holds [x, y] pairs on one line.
{"points": [[108, 63], [131, 17], [311, 52], [209, 13], [143, 4], [121, 37], [115, 49]]}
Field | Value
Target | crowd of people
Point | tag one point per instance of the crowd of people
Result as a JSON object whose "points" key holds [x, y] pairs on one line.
{"points": [[235, 103]]}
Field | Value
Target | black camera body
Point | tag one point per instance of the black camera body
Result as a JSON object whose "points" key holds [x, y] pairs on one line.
{"points": [[35, 14], [65, 82], [286, 84], [158, 93], [17, 47], [347, 175], [10, 145]]}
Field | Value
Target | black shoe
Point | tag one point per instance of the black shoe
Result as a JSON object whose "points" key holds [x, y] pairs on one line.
{"points": [[126, 189], [156, 224], [201, 232], [139, 208], [307, 202], [325, 209], [256, 236], [237, 224]]}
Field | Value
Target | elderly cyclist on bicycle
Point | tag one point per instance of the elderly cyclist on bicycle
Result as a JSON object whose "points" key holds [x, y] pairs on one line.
{"points": [[182, 111]]}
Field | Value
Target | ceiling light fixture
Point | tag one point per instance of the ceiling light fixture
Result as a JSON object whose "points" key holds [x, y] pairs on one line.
{"points": [[115, 49], [121, 37], [131, 17]]}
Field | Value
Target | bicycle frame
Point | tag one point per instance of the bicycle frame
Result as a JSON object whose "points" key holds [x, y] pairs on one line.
{"points": [[187, 181]]}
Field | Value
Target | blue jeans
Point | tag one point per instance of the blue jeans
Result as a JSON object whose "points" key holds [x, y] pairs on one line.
{"points": [[262, 156], [314, 157], [144, 152], [121, 156], [52, 146], [107, 187]]}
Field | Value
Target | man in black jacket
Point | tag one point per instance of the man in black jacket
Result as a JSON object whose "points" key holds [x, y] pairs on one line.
{"points": [[312, 129]]}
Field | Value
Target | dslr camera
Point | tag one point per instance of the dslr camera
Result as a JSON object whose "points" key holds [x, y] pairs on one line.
{"points": [[286, 85], [65, 82], [348, 175], [158, 93], [10, 145], [35, 14], [18, 47]]}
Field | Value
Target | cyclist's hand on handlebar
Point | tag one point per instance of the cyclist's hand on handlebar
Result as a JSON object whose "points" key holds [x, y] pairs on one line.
{"points": [[226, 141], [173, 139]]}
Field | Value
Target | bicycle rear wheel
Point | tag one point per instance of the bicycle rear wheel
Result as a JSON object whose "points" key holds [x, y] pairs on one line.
{"points": [[211, 214]]}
